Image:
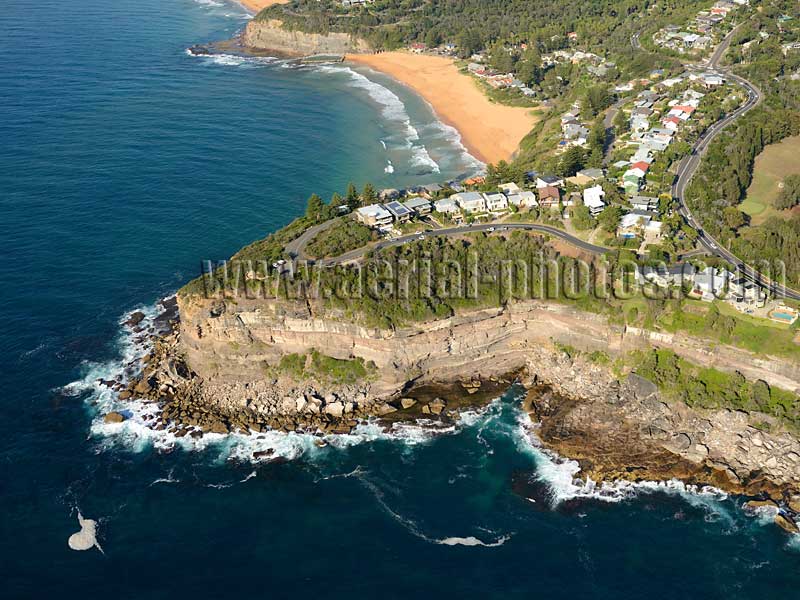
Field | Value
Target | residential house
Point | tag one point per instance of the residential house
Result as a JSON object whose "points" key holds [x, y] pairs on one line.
{"points": [[430, 190], [509, 188], [374, 215], [400, 212], [495, 202], [420, 206], [593, 199], [549, 195], [470, 202], [446, 206], [710, 283], [524, 199], [633, 224], [644, 203], [549, 181]]}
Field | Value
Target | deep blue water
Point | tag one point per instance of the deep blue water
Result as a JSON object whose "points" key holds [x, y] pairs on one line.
{"points": [[123, 163]]}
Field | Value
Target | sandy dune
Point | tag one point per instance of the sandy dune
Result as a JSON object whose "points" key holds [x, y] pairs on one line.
{"points": [[490, 131]]}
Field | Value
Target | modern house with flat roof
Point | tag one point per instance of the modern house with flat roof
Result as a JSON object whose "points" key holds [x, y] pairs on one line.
{"points": [[419, 205], [496, 201], [470, 202], [400, 213], [593, 199], [374, 215], [446, 206]]}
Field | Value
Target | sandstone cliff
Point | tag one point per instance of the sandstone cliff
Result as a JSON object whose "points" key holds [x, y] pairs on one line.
{"points": [[270, 35], [216, 372]]}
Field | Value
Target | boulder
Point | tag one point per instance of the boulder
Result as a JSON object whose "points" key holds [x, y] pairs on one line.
{"points": [[300, 404], [794, 504], [114, 417], [125, 394], [437, 406], [335, 409], [407, 402], [426, 410], [219, 427], [385, 409], [135, 319], [786, 523]]}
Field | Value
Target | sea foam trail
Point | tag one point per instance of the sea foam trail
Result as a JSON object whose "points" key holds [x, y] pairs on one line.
{"points": [[413, 528], [561, 476]]}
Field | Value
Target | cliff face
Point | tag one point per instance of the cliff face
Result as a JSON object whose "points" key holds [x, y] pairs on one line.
{"points": [[216, 369], [237, 338], [269, 35]]}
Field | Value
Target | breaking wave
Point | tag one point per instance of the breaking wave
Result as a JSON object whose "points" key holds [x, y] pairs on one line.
{"points": [[561, 476]]}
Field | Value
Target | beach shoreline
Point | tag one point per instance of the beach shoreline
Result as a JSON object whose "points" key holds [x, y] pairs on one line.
{"points": [[491, 132], [256, 6]]}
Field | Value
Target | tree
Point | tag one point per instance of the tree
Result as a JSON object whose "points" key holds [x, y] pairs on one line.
{"points": [[572, 161], [582, 218], [336, 201], [352, 198], [369, 195], [316, 209], [790, 194], [469, 42], [597, 99], [734, 218], [433, 38], [609, 218]]}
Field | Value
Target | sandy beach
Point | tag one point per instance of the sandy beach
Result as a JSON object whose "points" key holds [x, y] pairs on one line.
{"points": [[256, 6], [490, 131]]}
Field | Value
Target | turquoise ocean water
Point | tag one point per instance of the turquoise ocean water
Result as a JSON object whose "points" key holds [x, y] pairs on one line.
{"points": [[123, 163]]}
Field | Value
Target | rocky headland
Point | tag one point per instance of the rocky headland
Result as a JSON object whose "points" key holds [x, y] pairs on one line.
{"points": [[218, 369], [271, 35]]}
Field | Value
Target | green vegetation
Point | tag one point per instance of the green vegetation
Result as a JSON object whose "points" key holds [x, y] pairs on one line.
{"points": [[705, 387], [326, 369], [344, 235], [725, 174]]}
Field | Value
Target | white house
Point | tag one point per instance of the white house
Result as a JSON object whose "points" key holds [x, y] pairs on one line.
{"points": [[446, 206], [525, 199], [593, 199], [509, 188], [470, 202], [496, 202], [544, 181], [374, 215]]}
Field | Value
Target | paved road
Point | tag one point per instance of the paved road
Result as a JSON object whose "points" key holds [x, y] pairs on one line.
{"points": [[354, 255], [688, 166], [296, 248]]}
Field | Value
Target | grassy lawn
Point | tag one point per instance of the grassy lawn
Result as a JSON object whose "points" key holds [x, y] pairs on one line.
{"points": [[771, 166]]}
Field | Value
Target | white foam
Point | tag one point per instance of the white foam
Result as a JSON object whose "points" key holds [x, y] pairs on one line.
{"points": [[421, 158], [472, 541], [412, 527], [561, 476], [389, 168], [452, 136], [236, 60]]}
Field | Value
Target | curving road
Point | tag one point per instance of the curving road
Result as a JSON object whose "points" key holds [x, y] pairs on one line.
{"points": [[358, 253], [688, 166]]}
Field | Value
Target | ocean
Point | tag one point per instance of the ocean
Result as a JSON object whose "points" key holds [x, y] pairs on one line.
{"points": [[124, 162]]}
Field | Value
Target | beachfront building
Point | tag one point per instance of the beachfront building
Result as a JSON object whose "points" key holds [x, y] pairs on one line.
{"points": [[549, 196], [470, 202], [524, 199], [495, 202], [374, 215], [593, 199], [400, 213], [420, 206], [447, 206], [509, 188]]}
